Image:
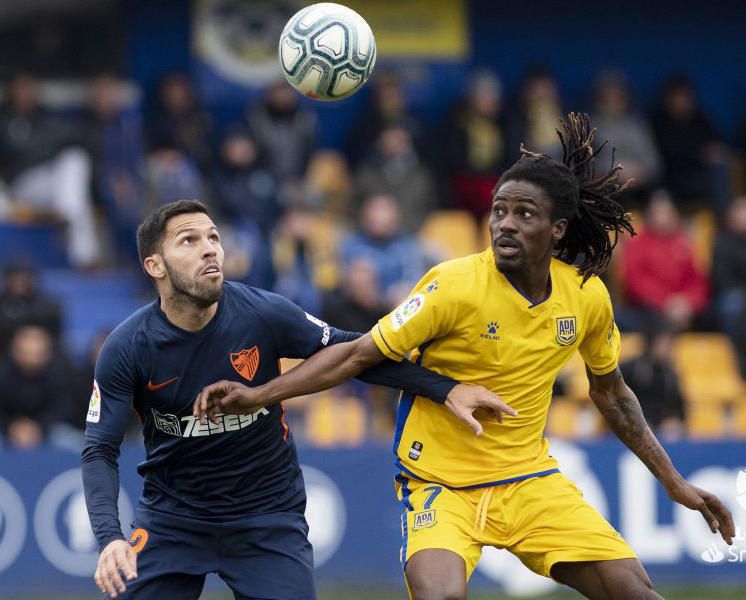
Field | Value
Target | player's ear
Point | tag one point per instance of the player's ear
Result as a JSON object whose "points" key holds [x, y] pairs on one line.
{"points": [[559, 228], [154, 266]]}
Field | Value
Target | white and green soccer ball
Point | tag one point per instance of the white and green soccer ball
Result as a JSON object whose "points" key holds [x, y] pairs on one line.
{"points": [[327, 51]]}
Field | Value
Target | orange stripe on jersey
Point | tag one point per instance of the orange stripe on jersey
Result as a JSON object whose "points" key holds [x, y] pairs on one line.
{"points": [[285, 428]]}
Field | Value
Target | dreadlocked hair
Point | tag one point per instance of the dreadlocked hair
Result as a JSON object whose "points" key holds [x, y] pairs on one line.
{"points": [[595, 218]]}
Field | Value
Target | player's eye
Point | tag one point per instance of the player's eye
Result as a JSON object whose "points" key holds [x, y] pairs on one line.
{"points": [[499, 211], [187, 240], [215, 237], [527, 214]]}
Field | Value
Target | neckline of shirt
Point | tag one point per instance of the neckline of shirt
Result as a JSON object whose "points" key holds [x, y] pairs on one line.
{"points": [[192, 334]]}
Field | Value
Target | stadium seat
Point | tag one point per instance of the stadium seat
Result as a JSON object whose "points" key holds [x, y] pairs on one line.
{"points": [[450, 233], [40, 245], [711, 383]]}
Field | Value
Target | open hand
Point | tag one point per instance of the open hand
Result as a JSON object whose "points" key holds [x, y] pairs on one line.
{"points": [[715, 513], [117, 559], [228, 397], [464, 399]]}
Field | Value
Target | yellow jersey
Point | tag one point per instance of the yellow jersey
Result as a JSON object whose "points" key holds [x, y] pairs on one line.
{"points": [[466, 320]]}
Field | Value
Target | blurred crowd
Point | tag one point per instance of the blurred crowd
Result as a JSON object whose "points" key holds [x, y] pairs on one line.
{"points": [[341, 233]]}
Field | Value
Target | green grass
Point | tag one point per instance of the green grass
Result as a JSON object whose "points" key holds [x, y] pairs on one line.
{"points": [[670, 593]]}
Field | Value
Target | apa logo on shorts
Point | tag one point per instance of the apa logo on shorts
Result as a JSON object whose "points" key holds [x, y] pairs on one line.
{"points": [[246, 362], [567, 330], [424, 519], [407, 310], [94, 405]]}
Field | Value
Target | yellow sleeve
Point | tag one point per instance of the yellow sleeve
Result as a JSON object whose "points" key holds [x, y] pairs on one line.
{"points": [[602, 343], [429, 312]]}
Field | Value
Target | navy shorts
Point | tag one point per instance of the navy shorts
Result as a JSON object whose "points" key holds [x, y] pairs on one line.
{"points": [[263, 557]]}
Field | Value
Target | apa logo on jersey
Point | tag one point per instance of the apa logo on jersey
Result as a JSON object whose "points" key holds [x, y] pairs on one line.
{"points": [[424, 519], [246, 362], [94, 405], [407, 310], [567, 330], [189, 426]]}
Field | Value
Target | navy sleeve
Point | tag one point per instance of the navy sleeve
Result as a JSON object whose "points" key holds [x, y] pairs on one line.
{"points": [[106, 423], [101, 485], [299, 335]]}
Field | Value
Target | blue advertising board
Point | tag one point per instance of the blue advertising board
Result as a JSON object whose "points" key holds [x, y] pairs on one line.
{"points": [[46, 542]]}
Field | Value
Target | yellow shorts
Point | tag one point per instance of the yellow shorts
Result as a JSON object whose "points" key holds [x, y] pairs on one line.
{"points": [[542, 520]]}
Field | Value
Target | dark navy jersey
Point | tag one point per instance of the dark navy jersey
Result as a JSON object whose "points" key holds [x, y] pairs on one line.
{"points": [[244, 464]]}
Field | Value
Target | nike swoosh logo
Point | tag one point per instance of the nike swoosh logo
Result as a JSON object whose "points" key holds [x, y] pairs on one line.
{"points": [[158, 386]]}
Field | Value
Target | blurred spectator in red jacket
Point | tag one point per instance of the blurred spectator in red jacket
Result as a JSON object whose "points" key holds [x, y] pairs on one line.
{"points": [[476, 146], [729, 277], [658, 269], [695, 161]]}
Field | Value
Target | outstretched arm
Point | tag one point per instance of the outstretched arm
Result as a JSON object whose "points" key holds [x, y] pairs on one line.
{"points": [[621, 410], [325, 369]]}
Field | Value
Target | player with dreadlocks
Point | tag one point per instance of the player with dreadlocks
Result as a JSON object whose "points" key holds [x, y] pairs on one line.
{"points": [[509, 319]]}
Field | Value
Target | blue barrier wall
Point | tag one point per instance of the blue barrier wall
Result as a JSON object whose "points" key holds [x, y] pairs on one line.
{"points": [[46, 543]]}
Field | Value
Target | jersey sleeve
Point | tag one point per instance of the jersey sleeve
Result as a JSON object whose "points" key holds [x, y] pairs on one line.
{"points": [[602, 343], [297, 334], [429, 313], [113, 391]]}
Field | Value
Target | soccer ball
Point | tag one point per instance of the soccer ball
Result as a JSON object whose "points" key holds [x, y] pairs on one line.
{"points": [[327, 51]]}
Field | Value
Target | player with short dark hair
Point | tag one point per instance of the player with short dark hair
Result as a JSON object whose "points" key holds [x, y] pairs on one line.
{"points": [[224, 496], [509, 318]]}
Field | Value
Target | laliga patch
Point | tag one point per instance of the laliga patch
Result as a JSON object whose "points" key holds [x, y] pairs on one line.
{"points": [[567, 330], [424, 519], [415, 450], [94, 405], [407, 310]]}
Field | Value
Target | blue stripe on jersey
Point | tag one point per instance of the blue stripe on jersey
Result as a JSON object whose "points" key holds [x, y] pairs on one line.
{"points": [[406, 402], [402, 468]]}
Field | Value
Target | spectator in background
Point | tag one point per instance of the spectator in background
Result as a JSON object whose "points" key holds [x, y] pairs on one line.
{"points": [[656, 383], [628, 134], [535, 117], [729, 278], [476, 144], [113, 134], [179, 138], [358, 303], [46, 171], [397, 257], [393, 168], [695, 161], [34, 388], [284, 132], [178, 123], [22, 304], [297, 259], [658, 271], [387, 106], [244, 189]]}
